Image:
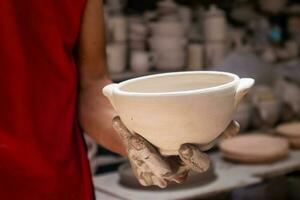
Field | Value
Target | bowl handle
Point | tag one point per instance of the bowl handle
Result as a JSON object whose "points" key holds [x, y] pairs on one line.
{"points": [[108, 91], [243, 88]]}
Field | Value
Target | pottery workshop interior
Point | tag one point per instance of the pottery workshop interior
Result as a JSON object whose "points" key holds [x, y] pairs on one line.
{"points": [[255, 39], [200, 100]]}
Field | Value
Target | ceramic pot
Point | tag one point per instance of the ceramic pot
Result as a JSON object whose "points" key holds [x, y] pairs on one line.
{"points": [[267, 107], [272, 6], [138, 28], [167, 43], [214, 25], [170, 65], [175, 108], [289, 93], [141, 61], [215, 53], [185, 15], [169, 60], [119, 28], [168, 29], [166, 7], [133, 37], [292, 48], [243, 115], [137, 45], [116, 5], [116, 57], [195, 57], [294, 25]]}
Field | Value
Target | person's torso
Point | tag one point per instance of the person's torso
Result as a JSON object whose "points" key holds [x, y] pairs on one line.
{"points": [[42, 154]]}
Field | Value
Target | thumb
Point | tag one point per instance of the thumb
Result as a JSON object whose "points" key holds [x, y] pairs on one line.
{"points": [[193, 158], [121, 129]]}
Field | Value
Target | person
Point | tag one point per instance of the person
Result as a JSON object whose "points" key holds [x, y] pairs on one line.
{"points": [[53, 67]]}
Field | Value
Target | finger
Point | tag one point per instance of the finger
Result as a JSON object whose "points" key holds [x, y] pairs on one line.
{"points": [[181, 178], [146, 177], [121, 129], [144, 151], [141, 172], [180, 175], [193, 158], [149, 179], [232, 129], [137, 173]]}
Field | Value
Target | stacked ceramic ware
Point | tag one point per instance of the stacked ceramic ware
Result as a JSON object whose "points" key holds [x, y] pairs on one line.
{"points": [[244, 114], [116, 57], [289, 93], [215, 37], [140, 60], [293, 24], [195, 56], [138, 32], [251, 148], [267, 107], [291, 131], [117, 34], [168, 38]]}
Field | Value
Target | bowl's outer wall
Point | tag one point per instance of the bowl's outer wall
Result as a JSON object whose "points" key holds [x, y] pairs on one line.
{"points": [[169, 121]]}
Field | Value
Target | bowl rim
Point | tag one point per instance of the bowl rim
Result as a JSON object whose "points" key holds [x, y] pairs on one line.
{"points": [[235, 81]]}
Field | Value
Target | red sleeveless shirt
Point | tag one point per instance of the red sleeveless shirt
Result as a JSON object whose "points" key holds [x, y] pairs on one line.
{"points": [[42, 153]]}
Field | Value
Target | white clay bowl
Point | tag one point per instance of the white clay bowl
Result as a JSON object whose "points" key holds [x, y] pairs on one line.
{"points": [[171, 109]]}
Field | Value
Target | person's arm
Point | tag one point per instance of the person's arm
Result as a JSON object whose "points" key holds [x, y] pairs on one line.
{"points": [[95, 112]]}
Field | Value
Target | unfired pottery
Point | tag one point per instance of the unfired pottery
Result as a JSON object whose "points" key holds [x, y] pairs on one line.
{"points": [[175, 108], [254, 148], [168, 29], [119, 28], [167, 43], [267, 106], [116, 57], [272, 6], [166, 7], [166, 60], [141, 61], [289, 93], [291, 129], [215, 53], [214, 25], [243, 114], [195, 56]]}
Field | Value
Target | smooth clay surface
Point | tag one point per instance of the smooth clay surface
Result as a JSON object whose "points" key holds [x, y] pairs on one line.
{"points": [[175, 108], [289, 129], [255, 148]]}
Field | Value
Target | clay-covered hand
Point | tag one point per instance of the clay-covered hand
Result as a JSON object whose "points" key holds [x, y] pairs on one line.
{"points": [[151, 168]]}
